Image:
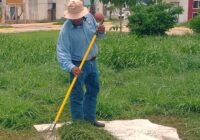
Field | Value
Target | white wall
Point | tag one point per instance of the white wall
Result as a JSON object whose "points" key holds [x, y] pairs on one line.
{"points": [[38, 9], [183, 3], [60, 8], [32, 9], [42, 9], [184, 17]]}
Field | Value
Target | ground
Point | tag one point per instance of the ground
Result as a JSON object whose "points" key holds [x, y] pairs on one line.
{"points": [[155, 78], [51, 26]]}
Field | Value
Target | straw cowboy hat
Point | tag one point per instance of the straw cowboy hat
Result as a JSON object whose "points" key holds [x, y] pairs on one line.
{"points": [[75, 10]]}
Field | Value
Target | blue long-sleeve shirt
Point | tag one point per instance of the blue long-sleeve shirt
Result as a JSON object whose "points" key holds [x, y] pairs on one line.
{"points": [[73, 42]]}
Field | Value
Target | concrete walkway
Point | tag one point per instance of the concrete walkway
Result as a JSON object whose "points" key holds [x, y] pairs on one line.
{"points": [[38, 27], [30, 27], [49, 26]]}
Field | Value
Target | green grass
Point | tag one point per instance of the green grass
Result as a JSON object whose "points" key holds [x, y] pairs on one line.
{"points": [[2, 27], [184, 24], [156, 78], [84, 131]]}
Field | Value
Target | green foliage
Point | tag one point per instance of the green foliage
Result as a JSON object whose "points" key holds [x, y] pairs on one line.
{"points": [[27, 61], [139, 77], [184, 24], [92, 1], [2, 27], [84, 131], [195, 23], [153, 19], [163, 52], [149, 2], [119, 3]]}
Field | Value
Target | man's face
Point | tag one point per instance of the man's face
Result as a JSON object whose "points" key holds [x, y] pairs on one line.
{"points": [[77, 21]]}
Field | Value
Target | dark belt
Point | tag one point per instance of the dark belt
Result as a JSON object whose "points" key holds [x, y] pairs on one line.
{"points": [[92, 59]]}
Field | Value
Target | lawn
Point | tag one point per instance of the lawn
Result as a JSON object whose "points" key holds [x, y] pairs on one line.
{"points": [[3, 27], [156, 78]]}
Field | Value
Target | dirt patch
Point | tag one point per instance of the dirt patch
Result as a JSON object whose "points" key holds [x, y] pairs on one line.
{"points": [[179, 31], [19, 136], [181, 124]]}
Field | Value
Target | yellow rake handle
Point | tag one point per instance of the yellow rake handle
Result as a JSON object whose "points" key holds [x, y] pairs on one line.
{"points": [[74, 81]]}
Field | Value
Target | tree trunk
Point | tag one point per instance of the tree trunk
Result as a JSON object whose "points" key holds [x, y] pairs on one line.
{"points": [[93, 7], [110, 15], [120, 19]]}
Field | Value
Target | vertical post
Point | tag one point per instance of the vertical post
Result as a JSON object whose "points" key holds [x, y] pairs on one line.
{"points": [[121, 18], [92, 7], [16, 14]]}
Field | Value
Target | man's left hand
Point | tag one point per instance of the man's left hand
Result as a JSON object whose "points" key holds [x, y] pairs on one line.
{"points": [[101, 28]]}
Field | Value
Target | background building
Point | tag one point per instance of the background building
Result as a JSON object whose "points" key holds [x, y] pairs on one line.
{"points": [[190, 8], [26, 11]]}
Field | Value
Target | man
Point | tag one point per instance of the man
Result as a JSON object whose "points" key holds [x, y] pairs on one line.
{"points": [[74, 39]]}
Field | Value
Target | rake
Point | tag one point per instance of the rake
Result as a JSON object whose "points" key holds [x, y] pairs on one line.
{"points": [[49, 130]]}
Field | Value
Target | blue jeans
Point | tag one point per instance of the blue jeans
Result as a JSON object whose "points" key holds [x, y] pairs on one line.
{"points": [[83, 104]]}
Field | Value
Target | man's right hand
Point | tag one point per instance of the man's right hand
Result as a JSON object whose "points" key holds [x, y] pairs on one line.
{"points": [[76, 71]]}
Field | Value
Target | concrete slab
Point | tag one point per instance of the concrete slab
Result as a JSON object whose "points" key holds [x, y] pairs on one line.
{"points": [[140, 129]]}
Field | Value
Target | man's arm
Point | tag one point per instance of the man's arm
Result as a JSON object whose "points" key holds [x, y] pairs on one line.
{"points": [[99, 28], [63, 51]]}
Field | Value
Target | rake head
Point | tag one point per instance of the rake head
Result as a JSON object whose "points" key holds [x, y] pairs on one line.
{"points": [[48, 131]]}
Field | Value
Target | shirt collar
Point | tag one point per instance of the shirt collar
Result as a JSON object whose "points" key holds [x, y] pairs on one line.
{"points": [[72, 26]]}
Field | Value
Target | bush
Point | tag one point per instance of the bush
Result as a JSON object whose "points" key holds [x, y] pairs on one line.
{"points": [[195, 23], [153, 19]]}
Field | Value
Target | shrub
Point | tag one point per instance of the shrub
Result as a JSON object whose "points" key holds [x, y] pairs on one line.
{"points": [[153, 19], [195, 23]]}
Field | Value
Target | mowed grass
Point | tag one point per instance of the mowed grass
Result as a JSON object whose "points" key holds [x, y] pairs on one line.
{"points": [[156, 78], [2, 27]]}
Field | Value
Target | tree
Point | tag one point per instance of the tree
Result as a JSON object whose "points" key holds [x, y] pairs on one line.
{"points": [[153, 19], [92, 7], [111, 8], [195, 23], [149, 2], [119, 4]]}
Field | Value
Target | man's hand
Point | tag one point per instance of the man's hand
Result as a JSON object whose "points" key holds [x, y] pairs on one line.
{"points": [[101, 28], [76, 71]]}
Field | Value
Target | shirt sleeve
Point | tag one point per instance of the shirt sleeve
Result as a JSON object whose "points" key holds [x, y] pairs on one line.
{"points": [[63, 51]]}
